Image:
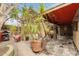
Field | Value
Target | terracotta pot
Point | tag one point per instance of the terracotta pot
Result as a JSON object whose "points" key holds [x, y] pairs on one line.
{"points": [[17, 38], [36, 45]]}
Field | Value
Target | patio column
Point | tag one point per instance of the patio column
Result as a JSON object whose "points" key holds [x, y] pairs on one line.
{"points": [[55, 31]]}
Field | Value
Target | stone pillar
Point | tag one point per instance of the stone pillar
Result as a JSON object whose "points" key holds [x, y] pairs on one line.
{"points": [[55, 31]]}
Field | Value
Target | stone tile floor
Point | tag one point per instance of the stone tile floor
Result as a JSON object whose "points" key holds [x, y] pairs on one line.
{"points": [[58, 47], [61, 48]]}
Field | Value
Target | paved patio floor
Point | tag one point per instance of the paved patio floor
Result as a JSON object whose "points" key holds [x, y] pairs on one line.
{"points": [[57, 47]]}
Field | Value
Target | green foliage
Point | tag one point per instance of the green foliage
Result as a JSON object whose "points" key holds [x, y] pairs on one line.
{"points": [[30, 23], [31, 7], [42, 8], [38, 19], [34, 28], [12, 28], [14, 13], [24, 11]]}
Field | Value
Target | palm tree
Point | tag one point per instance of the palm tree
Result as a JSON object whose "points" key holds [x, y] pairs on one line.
{"points": [[27, 18], [22, 18], [43, 25]]}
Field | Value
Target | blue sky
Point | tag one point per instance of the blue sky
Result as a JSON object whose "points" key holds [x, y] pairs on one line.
{"points": [[35, 7]]}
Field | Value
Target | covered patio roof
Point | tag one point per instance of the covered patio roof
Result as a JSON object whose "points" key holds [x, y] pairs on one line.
{"points": [[62, 14]]}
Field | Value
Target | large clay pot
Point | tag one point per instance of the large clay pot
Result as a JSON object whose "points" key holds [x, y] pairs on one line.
{"points": [[1, 36], [36, 45]]}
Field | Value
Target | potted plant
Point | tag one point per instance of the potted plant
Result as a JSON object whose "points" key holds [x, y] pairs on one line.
{"points": [[32, 33], [36, 42]]}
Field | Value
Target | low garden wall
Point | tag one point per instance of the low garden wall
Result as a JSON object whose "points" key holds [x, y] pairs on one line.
{"points": [[7, 50]]}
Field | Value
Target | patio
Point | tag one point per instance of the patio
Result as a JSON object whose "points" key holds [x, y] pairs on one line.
{"points": [[35, 27], [57, 47]]}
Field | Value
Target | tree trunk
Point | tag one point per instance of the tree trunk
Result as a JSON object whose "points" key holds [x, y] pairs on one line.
{"points": [[2, 20]]}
